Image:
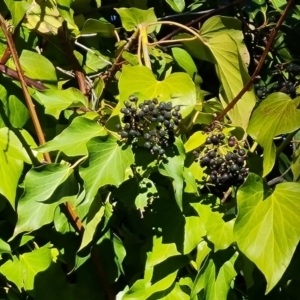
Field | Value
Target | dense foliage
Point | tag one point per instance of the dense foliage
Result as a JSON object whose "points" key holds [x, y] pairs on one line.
{"points": [[149, 149]]}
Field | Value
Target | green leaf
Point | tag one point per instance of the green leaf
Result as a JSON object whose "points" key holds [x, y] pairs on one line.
{"points": [[17, 9], [184, 60], [13, 108], [219, 232], [72, 141], [267, 229], [177, 87], [4, 247], [147, 190], [57, 100], [104, 29], [91, 227], [32, 211], [23, 269], [38, 67], [12, 156], [296, 164], [106, 164], [96, 61], [173, 167], [214, 279], [276, 115], [176, 5], [220, 24], [195, 140], [228, 61], [160, 252], [193, 233], [132, 17]]}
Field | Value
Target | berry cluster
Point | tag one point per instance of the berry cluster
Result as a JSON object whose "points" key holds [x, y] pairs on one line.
{"points": [[286, 85], [224, 170], [152, 122]]}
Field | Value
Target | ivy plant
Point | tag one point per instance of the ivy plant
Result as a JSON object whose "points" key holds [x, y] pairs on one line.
{"points": [[149, 149]]}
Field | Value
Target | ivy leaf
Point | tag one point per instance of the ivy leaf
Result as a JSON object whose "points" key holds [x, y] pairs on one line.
{"points": [[176, 5], [178, 86], [184, 60], [106, 164], [267, 228], [195, 140], [220, 24], [23, 269], [38, 67], [147, 191], [228, 61], [17, 9], [276, 115], [219, 232], [12, 156], [132, 17], [91, 227], [32, 211], [72, 141], [193, 233], [160, 252], [173, 167], [214, 279], [57, 100], [104, 29], [223, 52], [44, 18]]}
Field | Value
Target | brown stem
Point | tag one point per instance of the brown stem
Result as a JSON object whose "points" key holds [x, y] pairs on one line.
{"points": [[114, 68], [111, 294], [260, 64], [13, 74], [32, 111], [27, 96], [78, 70], [203, 17]]}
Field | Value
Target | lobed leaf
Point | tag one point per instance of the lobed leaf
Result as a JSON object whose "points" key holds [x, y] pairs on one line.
{"points": [[267, 229]]}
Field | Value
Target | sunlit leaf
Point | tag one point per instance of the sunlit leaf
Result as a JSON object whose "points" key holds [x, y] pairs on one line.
{"points": [[276, 115], [106, 164], [132, 17], [267, 229], [72, 141], [214, 279], [178, 87], [22, 269]]}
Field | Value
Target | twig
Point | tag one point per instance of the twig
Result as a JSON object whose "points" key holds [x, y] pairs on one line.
{"points": [[203, 17], [7, 53], [144, 42], [13, 74], [79, 72], [27, 96], [111, 294], [260, 65], [193, 32], [70, 210], [114, 68]]}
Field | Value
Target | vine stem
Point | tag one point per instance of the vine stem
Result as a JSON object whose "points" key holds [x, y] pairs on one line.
{"points": [[172, 41], [260, 64], [33, 114], [193, 32], [27, 96], [209, 14], [144, 41], [111, 72]]}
